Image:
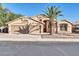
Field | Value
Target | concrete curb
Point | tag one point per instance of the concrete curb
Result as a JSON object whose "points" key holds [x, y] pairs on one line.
{"points": [[40, 40]]}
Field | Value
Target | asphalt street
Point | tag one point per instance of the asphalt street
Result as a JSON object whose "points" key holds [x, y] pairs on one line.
{"points": [[39, 49]]}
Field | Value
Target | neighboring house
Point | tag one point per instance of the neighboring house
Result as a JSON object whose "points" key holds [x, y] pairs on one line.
{"points": [[76, 27], [38, 24]]}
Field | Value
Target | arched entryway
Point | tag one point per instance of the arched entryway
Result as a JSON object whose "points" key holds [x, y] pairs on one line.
{"points": [[46, 28]]}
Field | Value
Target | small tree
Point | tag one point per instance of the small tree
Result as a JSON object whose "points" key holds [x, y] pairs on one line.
{"points": [[6, 15]]}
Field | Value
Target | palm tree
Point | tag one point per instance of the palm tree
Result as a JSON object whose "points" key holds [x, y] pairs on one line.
{"points": [[52, 13]]}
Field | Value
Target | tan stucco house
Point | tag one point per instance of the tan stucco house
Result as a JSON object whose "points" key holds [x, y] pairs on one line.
{"points": [[31, 25], [36, 25]]}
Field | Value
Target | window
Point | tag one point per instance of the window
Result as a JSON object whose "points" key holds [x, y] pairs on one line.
{"points": [[77, 26], [63, 27]]}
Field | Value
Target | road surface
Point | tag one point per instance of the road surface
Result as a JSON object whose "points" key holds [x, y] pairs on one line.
{"points": [[39, 49]]}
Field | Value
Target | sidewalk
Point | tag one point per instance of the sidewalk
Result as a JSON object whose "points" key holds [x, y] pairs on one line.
{"points": [[39, 40], [35, 38]]}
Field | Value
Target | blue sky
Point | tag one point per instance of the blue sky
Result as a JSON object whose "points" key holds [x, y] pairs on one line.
{"points": [[69, 10]]}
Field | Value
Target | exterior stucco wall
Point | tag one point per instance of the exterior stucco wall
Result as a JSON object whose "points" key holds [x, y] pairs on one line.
{"points": [[14, 26], [38, 29], [34, 29], [69, 27]]}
